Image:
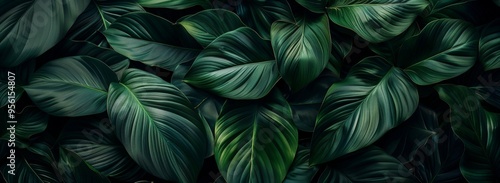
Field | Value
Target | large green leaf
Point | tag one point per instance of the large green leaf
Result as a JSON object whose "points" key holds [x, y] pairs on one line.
{"points": [[302, 49], [174, 4], [374, 98], [255, 141], [74, 169], [99, 15], [28, 28], [368, 165], [300, 171], [153, 116], [237, 65], [375, 20], [71, 86], [260, 15], [489, 46], [478, 129], [149, 39], [207, 25], [95, 142], [443, 50]]}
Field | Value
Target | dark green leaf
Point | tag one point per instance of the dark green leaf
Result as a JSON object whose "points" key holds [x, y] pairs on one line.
{"points": [[22, 76], [300, 171], [302, 49], [151, 115], [29, 28], [389, 49], [374, 98], [489, 46], [487, 87], [30, 122], [74, 169], [149, 39], [32, 172], [478, 129], [174, 4], [443, 50], [375, 20], [316, 6], [255, 141], [207, 25], [237, 65], [71, 86]]}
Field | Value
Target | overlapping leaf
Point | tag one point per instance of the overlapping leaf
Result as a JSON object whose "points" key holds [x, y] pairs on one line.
{"points": [[237, 65], [158, 126], [71, 86], [255, 141], [374, 98], [29, 28], [489, 46]]}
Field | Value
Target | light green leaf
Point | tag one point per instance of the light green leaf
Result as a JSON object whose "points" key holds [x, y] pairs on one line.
{"points": [[489, 46], [478, 129], [443, 50], [149, 39], [255, 141], [375, 20], [300, 171], [207, 25], [153, 116], [374, 98], [237, 65], [174, 4], [95, 142], [29, 28], [260, 15], [71, 86], [302, 49], [368, 165]]}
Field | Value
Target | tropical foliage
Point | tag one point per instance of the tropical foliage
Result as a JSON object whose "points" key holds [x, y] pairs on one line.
{"points": [[250, 91]]}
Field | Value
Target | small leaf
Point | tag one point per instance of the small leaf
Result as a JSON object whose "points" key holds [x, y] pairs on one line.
{"points": [[374, 98], [237, 65], [71, 86], [443, 50], [255, 141]]}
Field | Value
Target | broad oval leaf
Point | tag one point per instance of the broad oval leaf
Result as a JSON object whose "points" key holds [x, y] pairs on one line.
{"points": [[29, 28], [255, 141], [368, 165], [94, 140], [71, 86], [489, 46], [300, 171], [375, 20], [174, 4], [237, 65], [260, 15], [374, 98], [149, 39], [478, 129], [443, 50], [207, 25], [302, 49], [153, 116]]}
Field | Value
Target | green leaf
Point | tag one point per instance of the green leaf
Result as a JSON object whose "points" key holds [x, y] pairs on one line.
{"points": [[389, 49], [374, 98], [22, 76], [300, 171], [30, 122], [98, 17], [149, 39], [443, 50], [260, 15], [33, 172], [255, 141], [237, 65], [368, 165], [74, 169], [144, 108], [487, 87], [174, 4], [29, 28], [375, 20], [316, 6], [207, 25], [71, 86], [478, 129], [489, 46], [95, 142], [302, 49]]}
